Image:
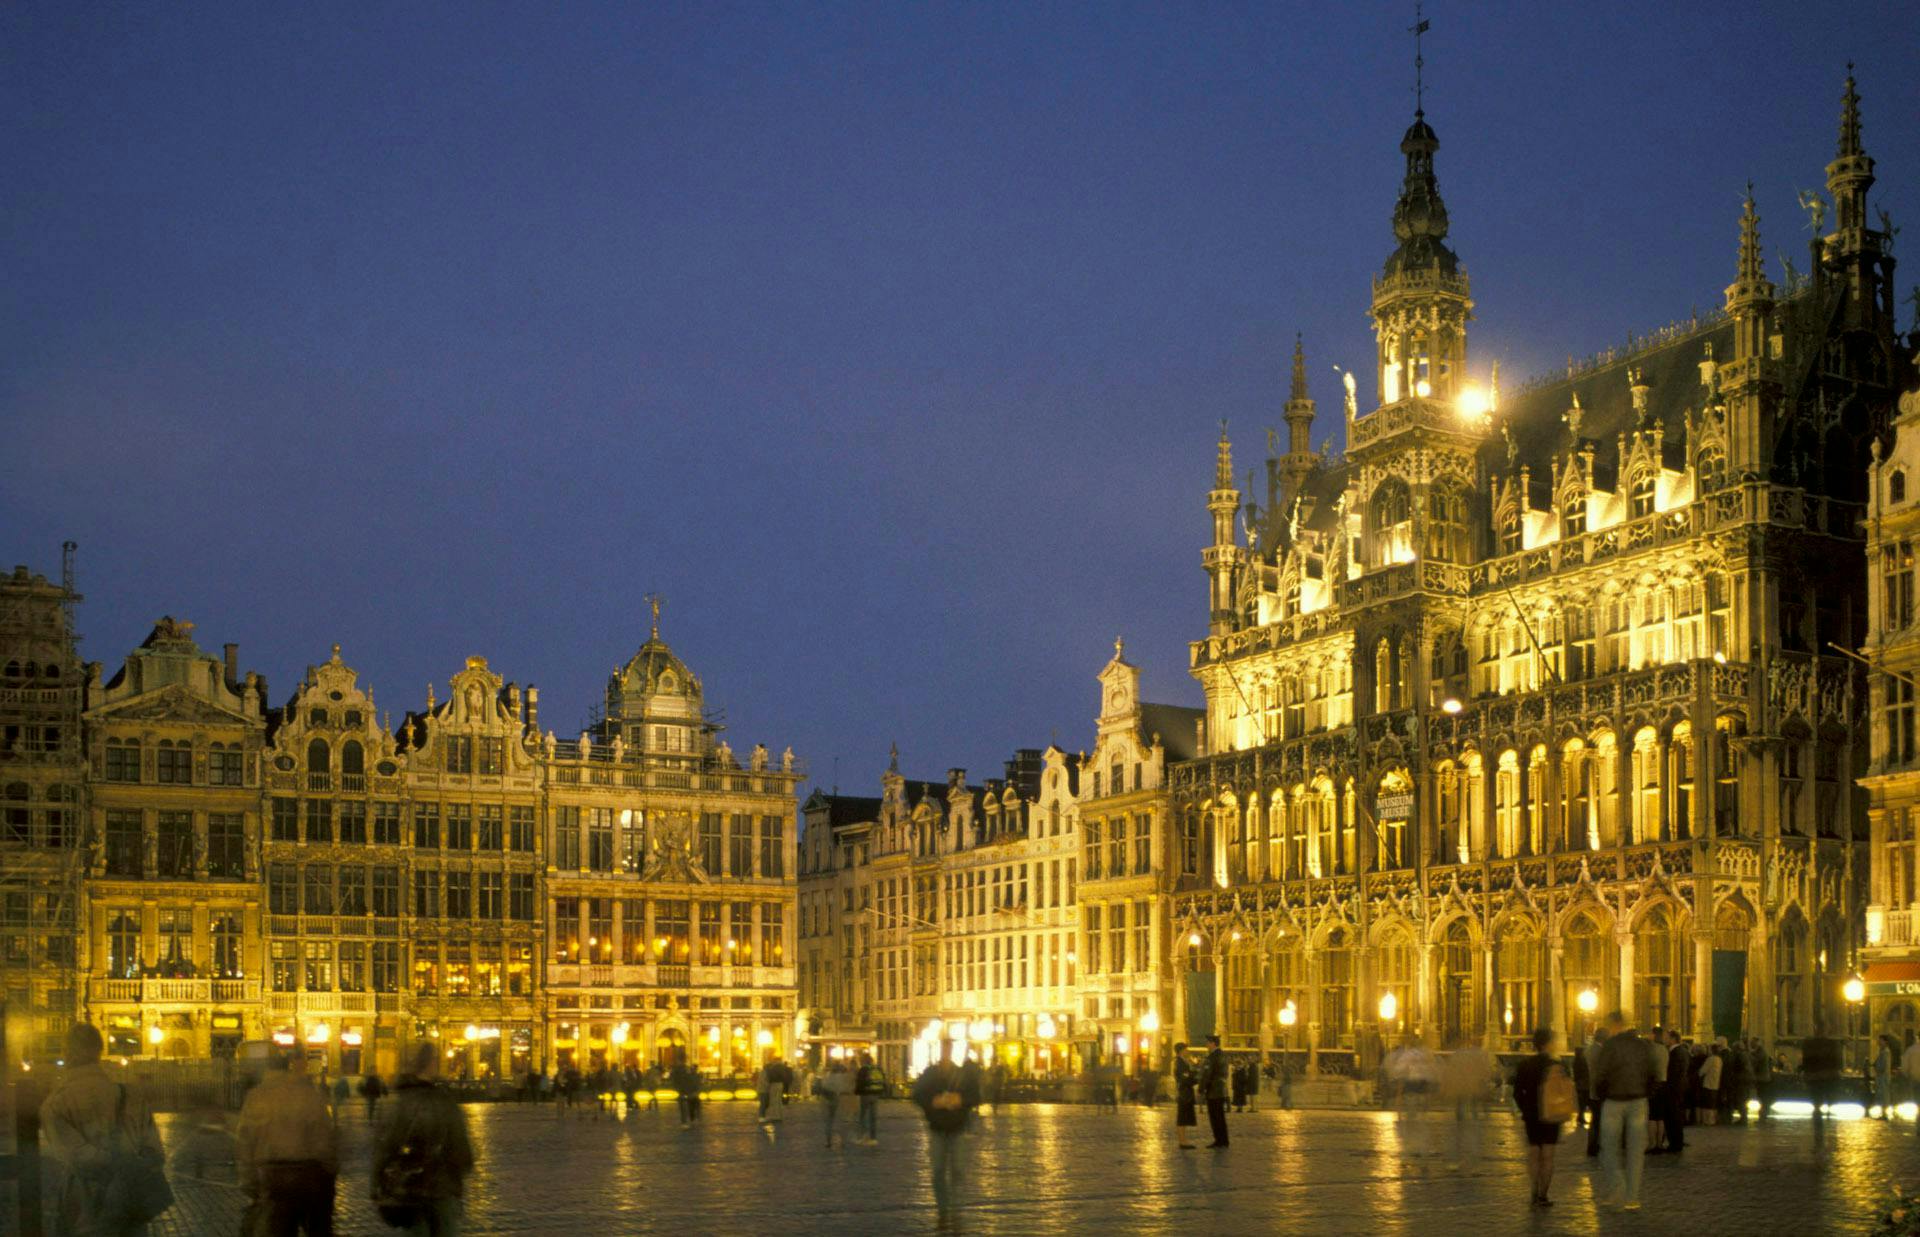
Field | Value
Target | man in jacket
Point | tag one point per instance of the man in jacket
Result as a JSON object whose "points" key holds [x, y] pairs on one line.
{"points": [[77, 1131], [421, 1156], [288, 1151], [1623, 1081], [941, 1095], [1820, 1062], [869, 1083], [1213, 1085]]}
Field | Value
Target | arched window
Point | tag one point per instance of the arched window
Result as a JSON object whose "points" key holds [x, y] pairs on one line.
{"points": [[1447, 524], [1382, 676], [1662, 964], [1646, 786], [1336, 989], [1897, 486], [1395, 966], [1459, 1002], [1710, 470], [1506, 805], [1510, 528], [1516, 971], [319, 756], [352, 758], [1790, 969], [1588, 963], [1573, 516], [1603, 788], [1391, 516], [1680, 756]]}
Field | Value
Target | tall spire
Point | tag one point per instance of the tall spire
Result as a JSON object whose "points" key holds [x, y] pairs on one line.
{"points": [[1850, 174], [1223, 466], [1299, 390], [1299, 414], [1751, 269]]}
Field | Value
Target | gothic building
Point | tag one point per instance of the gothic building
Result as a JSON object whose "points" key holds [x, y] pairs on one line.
{"points": [[1525, 707]]}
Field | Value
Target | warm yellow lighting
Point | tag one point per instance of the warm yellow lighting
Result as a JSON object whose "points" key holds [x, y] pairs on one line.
{"points": [[1389, 1006], [621, 1032], [352, 1039], [934, 1026], [1150, 1021], [659, 944], [1472, 402], [1048, 1029], [1507, 1017], [1449, 706], [1855, 990], [1719, 657], [980, 1032], [473, 1032], [713, 1035], [156, 1036], [1423, 388], [764, 1039], [1120, 1045], [320, 1033], [592, 941], [1588, 1000], [1193, 939], [1234, 937], [1072, 957], [837, 1053], [1288, 1014], [732, 944], [283, 1038]]}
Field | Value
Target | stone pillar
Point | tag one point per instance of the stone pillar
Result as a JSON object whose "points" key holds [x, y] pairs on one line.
{"points": [[1492, 1025], [1310, 1016], [1623, 941], [1556, 988], [1703, 986], [1760, 1018]]}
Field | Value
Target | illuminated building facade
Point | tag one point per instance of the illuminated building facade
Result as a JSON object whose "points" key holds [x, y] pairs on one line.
{"points": [[1531, 698], [669, 882], [42, 775], [170, 888], [1891, 956]]}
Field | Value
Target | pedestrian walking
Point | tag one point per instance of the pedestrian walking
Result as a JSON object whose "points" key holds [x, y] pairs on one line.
{"points": [[835, 1085], [109, 1169], [1820, 1062], [1883, 1076], [1213, 1086], [970, 1078], [1185, 1079], [422, 1155], [686, 1085], [1760, 1070], [772, 1085], [1734, 1083], [371, 1089], [1582, 1087], [1592, 1051], [1466, 1083], [651, 1081], [1623, 1079], [1910, 1066], [870, 1085], [938, 1094], [1674, 1102], [1547, 1100], [287, 1149], [1239, 1087], [1657, 1096], [1712, 1073]]}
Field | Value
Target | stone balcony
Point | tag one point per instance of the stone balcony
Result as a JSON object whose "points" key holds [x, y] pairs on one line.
{"points": [[176, 991]]}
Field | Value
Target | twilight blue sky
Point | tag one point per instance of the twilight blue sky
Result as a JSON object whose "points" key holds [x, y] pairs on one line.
{"points": [[888, 342]]}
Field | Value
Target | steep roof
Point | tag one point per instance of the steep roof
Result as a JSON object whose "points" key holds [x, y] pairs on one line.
{"points": [[1174, 723]]}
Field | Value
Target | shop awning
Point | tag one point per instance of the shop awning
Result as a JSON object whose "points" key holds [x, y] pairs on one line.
{"points": [[1900, 978]]}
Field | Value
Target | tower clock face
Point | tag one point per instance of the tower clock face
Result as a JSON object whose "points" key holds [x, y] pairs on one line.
{"points": [[1116, 699]]}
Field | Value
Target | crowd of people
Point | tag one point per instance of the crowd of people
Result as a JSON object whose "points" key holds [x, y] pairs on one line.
{"points": [[1635, 1094]]}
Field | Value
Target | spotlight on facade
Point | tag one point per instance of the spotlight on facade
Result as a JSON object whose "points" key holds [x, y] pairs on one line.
{"points": [[1855, 990], [1449, 706]]}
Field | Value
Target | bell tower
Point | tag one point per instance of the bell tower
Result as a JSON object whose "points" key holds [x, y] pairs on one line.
{"points": [[1420, 300]]}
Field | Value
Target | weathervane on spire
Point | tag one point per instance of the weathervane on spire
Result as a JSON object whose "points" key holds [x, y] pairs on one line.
{"points": [[653, 603], [1420, 26]]}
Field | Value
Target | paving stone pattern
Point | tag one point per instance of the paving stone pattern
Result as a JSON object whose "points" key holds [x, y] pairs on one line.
{"points": [[1058, 1169]]}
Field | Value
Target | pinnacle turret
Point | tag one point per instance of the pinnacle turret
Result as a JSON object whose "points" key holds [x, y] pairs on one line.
{"points": [[1850, 174], [1223, 466], [1752, 269]]}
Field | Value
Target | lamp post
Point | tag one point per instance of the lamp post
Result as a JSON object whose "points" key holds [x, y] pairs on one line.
{"points": [[1288, 1017], [1855, 992], [1588, 1001]]}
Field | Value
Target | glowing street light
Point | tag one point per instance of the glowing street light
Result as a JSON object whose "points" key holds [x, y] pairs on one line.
{"points": [[1289, 1015], [1150, 1021], [156, 1036], [621, 1032], [1472, 402], [1855, 990], [1588, 1000], [1193, 939], [1389, 1006], [1450, 706], [764, 1038]]}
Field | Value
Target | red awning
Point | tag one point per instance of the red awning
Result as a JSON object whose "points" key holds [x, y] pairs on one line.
{"points": [[1891, 972]]}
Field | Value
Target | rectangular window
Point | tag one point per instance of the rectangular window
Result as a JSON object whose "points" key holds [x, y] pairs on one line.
{"points": [[1899, 714], [173, 856], [566, 929], [386, 892], [225, 937], [493, 756], [286, 819], [459, 894], [492, 894], [712, 939], [353, 822], [224, 766], [1142, 844], [123, 760], [1896, 577], [319, 820], [520, 828], [317, 889], [670, 926], [426, 966], [124, 844], [386, 824], [283, 889], [173, 765], [600, 929], [710, 843], [773, 934], [490, 826], [353, 889], [1095, 934], [426, 826], [459, 826], [284, 957], [426, 893], [459, 753], [353, 966], [175, 928], [520, 897], [773, 847], [459, 968], [600, 839], [319, 960], [739, 844], [1142, 936], [566, 839], [386, 966]]}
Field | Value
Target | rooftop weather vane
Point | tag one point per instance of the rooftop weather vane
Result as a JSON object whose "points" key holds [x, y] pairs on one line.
{"points": [[1420, 26], [653, 603]]}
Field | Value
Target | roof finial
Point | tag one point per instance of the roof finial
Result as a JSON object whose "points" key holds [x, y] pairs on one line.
{"points": [[1420, 26], [1849, 119], [1751, 269], [653, 603], [1223, 469], [1119, 647], [893, 758], [1299, 369]]}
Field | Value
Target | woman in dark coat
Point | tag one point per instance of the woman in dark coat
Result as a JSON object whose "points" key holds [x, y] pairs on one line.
{"points": [[1542, 1136], [1185, 1078]]}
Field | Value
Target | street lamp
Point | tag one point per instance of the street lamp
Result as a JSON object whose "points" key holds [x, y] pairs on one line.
{"points": [[1588, 1000], [156, 1035], [1449, 706], [1389, 1006], [1150, 1021], [1855, 990], [1193, 939]]}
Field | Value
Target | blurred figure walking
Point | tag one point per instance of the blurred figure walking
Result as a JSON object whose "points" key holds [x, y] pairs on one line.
{"points": [[422, 1154], [288, 1150], [835, 1085], [1545, 1096], [1185, 1079], [1623, 1081], [870, 1085], [110, 1170], [939, 1094], [1213, 1085]]}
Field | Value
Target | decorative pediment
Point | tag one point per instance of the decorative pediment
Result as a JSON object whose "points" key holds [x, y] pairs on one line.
{"points": [[172, 703], [670, 852]]}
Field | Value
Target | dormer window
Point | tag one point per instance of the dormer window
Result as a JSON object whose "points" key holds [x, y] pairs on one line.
{"points": [[1510, 530], [1710, 470], [1640, 496], [1897, 486], [1573, 516]]}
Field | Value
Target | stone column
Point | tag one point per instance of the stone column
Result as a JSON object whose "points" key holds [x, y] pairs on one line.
{"points": [[1623, 941], [1703, 986], [1492, 1026], [1556, 988], [1310, 1016]]}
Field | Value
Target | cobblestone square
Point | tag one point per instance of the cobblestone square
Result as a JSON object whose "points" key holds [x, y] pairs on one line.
{"points": [[1070, 1169]]}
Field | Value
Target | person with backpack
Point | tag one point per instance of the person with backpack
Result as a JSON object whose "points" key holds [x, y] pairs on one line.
{"points": [[870, 1084], [111, 1172], [288, 1151], [1547, 1100], [422, 1155], [940, 1094]]}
